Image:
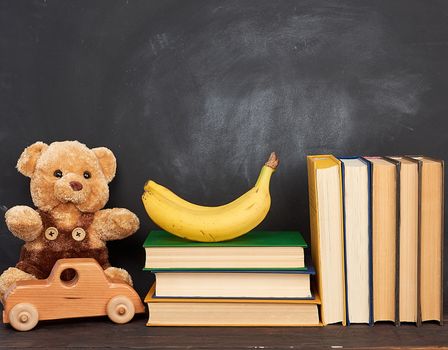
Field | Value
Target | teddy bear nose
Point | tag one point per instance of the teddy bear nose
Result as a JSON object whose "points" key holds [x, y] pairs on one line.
{"points": [[75, 185]]}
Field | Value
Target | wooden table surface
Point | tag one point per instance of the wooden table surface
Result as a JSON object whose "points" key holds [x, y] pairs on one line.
{"points": [[101, 333]]}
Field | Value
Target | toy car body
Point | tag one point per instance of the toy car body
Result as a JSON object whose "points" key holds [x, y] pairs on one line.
{"points": [[88, 293]]}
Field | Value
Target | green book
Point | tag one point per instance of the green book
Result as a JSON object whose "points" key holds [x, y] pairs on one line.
{"points": [[251, 239], [256, 250]]}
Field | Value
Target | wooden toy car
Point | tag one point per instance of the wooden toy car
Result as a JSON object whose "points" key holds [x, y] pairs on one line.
{"points": [[88, 293]]}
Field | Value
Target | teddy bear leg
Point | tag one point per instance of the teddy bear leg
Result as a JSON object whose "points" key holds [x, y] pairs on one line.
{"points": [[10, 276], [120, 274]]}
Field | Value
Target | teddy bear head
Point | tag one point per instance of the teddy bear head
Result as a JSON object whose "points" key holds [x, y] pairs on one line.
{"points": [[68, 172]]}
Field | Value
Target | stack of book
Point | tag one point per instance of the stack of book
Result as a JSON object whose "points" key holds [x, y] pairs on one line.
{"points": [[259, 279], [377, 237]]}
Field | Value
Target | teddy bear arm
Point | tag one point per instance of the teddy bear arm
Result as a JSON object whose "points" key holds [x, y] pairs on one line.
{"points": [[116, 223], [24, 222], [10, 276]]}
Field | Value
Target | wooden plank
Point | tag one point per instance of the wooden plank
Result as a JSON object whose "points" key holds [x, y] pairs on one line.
{"points": [[100, 332]]}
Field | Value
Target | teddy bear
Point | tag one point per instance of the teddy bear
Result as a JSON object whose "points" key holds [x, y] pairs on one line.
{"points": [[69, 188]]}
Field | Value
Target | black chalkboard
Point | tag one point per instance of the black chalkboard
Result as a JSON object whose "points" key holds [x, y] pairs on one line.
{"points": [[196, 94]]}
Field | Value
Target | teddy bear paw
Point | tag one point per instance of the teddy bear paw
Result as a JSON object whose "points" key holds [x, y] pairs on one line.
{"points": [[125, 220], [115, 273], [24, 222], [11, 276]]}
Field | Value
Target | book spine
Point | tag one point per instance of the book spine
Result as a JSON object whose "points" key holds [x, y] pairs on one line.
{"points": [[397, 243], [369, 184], [397, 237], [344, 291], [347, 311], [441, 245], [314, 231], [419, 245]]}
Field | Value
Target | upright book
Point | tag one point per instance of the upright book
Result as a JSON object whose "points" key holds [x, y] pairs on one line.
{"points": [[357, 234], [327, 244], [408, 247], [431, 211], [385, 238]]}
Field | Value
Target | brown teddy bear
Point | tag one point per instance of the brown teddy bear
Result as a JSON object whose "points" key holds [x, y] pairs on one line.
{"points": [[69, 187]]}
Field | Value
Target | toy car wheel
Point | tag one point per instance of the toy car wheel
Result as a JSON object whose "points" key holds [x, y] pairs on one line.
{"points": [[23, 316], [120, 309]]}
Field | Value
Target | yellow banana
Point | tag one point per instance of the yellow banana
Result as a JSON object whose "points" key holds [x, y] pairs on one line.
{"points": [[210, 224], [163, 192]]}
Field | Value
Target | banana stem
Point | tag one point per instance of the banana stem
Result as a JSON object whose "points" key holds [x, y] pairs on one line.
{"points": [[267, 170], [273, 161]]}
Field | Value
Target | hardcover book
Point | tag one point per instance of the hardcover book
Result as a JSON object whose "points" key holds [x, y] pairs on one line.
{"points": [[358, 239], [231, 312], [431, 211], [385, 238], [289, 284], [327, 243], [408, 244], [261, 250]]}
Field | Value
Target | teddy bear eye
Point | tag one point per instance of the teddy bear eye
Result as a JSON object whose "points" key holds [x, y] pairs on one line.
{"points": [[87, 174], [57, 173]]}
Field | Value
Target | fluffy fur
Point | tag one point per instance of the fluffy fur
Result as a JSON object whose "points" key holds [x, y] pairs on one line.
{"points": [[69, 187]]}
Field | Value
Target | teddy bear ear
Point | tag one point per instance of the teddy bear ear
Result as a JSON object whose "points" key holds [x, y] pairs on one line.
{"points": [[28, 159], [107, 161]]}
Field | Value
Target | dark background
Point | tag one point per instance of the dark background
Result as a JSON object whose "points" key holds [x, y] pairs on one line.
{"points": [[196, 94]]}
